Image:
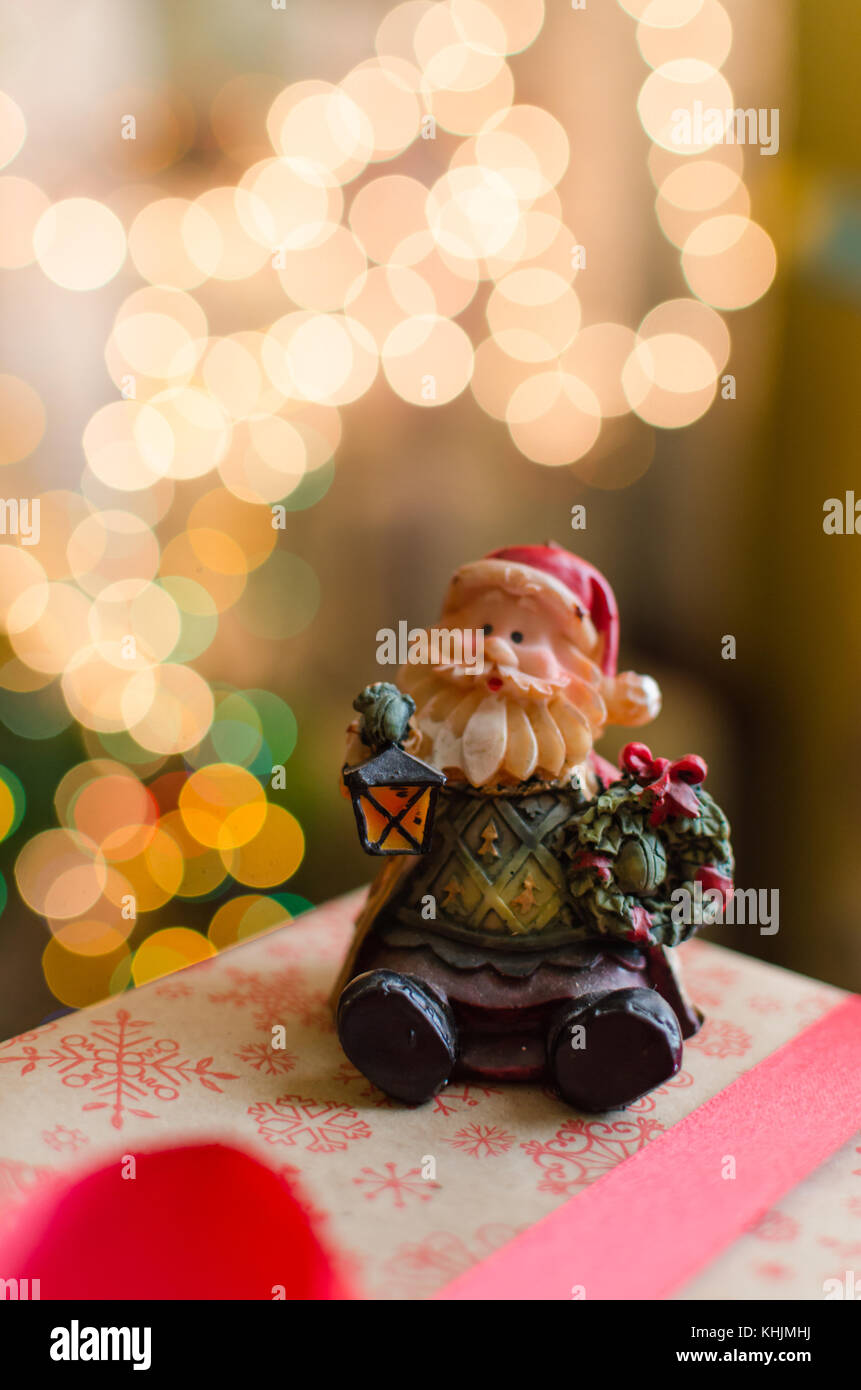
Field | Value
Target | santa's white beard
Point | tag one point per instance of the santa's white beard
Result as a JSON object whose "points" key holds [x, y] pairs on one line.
{"points": [[529, 728]]}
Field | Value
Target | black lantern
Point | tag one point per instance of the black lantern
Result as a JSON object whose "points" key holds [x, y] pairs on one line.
{"points": [[394, 798]]}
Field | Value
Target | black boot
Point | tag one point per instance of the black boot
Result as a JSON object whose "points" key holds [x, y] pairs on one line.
{"points": [[399, 1034], [631, 1043]]}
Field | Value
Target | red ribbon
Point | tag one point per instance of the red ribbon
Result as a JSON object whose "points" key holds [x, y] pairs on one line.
{"points": [[672, 783], [603, 1239]]}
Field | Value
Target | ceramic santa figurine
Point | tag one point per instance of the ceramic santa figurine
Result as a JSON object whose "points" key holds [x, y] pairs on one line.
{"points": [[521, 927]]}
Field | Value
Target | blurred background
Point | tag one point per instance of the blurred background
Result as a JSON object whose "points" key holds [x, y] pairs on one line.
{"points": [[307, 305]]}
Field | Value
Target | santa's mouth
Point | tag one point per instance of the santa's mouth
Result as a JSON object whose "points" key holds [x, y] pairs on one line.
{"points": [[494, 683]]}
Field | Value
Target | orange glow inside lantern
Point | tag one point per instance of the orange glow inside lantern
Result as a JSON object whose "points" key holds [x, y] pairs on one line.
{"points": [[394, 800]]}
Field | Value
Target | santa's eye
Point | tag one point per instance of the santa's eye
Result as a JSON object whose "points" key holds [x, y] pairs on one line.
{"points": [[487, 629], [517, 636]]}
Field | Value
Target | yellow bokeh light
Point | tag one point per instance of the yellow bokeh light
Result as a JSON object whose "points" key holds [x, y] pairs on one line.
{"points": [[729, 261], [79, 243], [59, 628], [597, 356], [77, 979], [706, 35], [293, 201], [223, 806], [175, 242], [533, 314], [111, 545], [472, 211], [319, 276], [199, 429], [245, 916], [496, 376], [60, 873], [134, 624], [232, 374], [380, 299], [168, 950], [385, 92], [168, 709], [272, 856], [428, 360], [155, 876], [554, 418], [232, 211], [328, 358], [23, 417], [670, 99], [129, 445], [386, 211], [267, 459], [670, 380]]}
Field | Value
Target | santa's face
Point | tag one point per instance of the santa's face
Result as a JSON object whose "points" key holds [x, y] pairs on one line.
{"points": [[532, 709], [525, 653]]}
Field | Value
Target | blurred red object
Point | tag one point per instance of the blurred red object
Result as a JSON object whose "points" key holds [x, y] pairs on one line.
{"points": [[199, 1222]]}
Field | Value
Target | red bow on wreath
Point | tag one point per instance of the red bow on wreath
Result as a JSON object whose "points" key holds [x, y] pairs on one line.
{"points": [[673, 784]]}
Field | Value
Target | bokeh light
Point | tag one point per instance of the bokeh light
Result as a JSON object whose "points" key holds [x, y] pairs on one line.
{"points": [[79, 243], [407, 227], [23, 417], [167, 950]]}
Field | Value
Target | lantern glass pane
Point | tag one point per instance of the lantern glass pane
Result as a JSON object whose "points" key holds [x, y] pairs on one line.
{"points": [[381, 810]]}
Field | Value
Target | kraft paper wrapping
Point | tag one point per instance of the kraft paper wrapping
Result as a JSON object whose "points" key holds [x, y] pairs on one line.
{"points": [[409, 1197]]}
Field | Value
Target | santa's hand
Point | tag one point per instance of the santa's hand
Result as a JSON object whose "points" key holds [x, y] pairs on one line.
{"points": [[386, 713], [631, 699]]}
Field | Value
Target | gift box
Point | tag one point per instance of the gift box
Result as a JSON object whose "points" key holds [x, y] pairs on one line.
{"points": [[738, 1179]]}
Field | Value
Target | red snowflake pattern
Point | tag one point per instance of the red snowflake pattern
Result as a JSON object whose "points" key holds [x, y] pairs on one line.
{"points": [[265, 1059], [776, 1226], [173, 989], [854, 1205], [846, 1249], [119, 1061], [275, 996], [646, 1104], [582, 1150], [328, 945], [720, 1038], [60, 1138], [455, 1098], [706, 983], [482, 1141], [420, 1267], [351, 1075], [397, 1186], [319, 1126], [765, 1004], [773, 1269]]}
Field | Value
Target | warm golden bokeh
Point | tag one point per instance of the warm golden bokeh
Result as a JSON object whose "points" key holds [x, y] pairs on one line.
{"points": [[407, 230]]}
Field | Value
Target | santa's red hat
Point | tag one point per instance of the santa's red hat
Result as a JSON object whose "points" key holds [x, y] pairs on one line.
{"points": [[551, 573]]}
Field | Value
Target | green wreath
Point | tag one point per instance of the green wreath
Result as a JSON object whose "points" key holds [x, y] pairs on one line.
{"points": [[623, 869]]}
